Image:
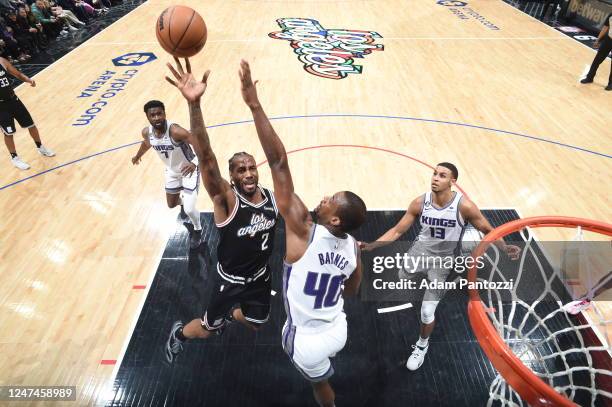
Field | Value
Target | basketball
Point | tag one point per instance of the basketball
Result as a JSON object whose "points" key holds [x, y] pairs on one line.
{"points": [[181, 31]]}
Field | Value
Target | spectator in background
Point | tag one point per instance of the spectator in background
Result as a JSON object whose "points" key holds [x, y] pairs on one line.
{"points": [[71, 6], [25, 38], [101, 5], [604, 43], [6, 34], [87, 9], [547, 4], [9, 51], [51, 25], [7, 5], [34, 28], [67, 16]]}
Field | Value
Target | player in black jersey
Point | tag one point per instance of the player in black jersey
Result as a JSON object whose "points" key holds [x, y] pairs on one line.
{"points": [[246, 217], [11, 109]]}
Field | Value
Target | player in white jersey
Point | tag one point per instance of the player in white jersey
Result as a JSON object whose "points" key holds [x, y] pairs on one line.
{"points": [[443, 214], [173, 146], [319, 258]]}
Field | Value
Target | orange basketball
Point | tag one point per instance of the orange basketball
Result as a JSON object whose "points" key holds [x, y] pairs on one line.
{"points": [[181, 31]]}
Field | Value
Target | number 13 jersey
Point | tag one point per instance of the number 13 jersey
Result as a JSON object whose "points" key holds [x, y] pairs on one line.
{"points": [[441, 228], [246, 238], [312, 286]]}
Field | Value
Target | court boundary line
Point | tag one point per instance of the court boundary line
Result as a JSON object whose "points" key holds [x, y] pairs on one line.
{"points": [[329, 115], [109, 387], [549, 26], [383, 38], [89, 39]]}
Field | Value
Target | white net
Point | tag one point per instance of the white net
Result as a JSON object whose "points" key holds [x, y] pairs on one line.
{"points": [[561, 349]]}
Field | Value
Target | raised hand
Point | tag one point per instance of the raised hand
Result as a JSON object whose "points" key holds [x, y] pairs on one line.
{"points": [[248, 89], [364, 246], [191, 88]]}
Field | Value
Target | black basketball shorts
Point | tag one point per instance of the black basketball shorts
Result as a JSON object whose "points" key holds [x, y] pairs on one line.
{"points": [[253, 298], [11, 110]]}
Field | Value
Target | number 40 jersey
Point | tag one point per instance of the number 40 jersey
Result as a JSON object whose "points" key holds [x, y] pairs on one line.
{"points": [[312, 286]]}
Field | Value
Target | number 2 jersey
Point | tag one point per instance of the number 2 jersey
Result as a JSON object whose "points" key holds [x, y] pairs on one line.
{"points": [[246, 238], [312, 286], [174, 154]]}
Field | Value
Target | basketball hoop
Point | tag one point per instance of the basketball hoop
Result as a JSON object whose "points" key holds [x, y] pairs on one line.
{"points": [[501, 328]]}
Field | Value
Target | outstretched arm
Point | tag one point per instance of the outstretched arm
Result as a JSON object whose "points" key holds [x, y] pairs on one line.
{"points": [[144, 147], [400, 228], [15, 72], [289, 204], [472, 214], [218, 188]]}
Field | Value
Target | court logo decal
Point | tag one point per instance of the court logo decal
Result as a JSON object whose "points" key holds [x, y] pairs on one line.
{"points": [[134, 59], [327, 53], [110, 83], [459, 9], [452, 3]]}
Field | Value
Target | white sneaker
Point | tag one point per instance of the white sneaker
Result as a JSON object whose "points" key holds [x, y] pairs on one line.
{"points": [[45, 151], [416, 359], [19, 163], [576, 307], [63, 32], [72, 28]]}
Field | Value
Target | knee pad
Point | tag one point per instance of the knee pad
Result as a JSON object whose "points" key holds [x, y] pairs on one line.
{"points": [[428, 311]]}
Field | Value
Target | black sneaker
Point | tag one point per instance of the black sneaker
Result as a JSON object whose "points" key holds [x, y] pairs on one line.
{"points": [[196, 239], [609, 87], [174, 345], [183, 214], [586, 80]]}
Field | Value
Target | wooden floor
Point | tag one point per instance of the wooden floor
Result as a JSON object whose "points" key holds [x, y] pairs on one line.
{"points": [[504, 105]]}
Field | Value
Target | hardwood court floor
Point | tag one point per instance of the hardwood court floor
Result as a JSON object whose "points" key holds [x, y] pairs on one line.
{"points": [[504, 105]]}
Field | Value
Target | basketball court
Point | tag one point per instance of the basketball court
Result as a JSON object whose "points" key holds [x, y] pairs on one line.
{"points": [[95, 267]]}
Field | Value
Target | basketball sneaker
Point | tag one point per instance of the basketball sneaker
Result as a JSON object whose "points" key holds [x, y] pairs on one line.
{"points": [[174, 345], [195, 239], [19, 163], [586, 80], [45, 151], [576, 307], [183, 214], [417, 357]]}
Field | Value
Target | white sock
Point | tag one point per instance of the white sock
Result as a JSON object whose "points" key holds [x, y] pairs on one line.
{"points": [[423, 342], [189, 204]]}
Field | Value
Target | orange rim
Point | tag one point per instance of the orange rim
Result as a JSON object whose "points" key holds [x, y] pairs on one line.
{"points": [[531, 388]]}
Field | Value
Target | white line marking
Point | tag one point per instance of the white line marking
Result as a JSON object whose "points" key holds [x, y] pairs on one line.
{"points": [[476, 38], [110, 385], [542, 22], [396, 308], [384, 38], [85, 43]]}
